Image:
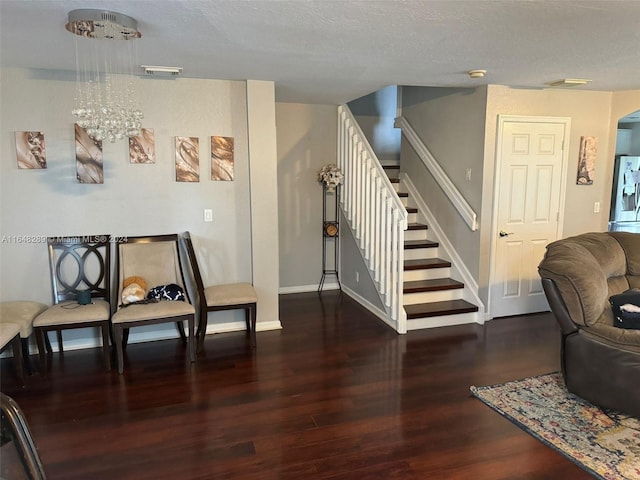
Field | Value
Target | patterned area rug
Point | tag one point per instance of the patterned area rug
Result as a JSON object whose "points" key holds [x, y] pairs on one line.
{"points": [[604, 443]]}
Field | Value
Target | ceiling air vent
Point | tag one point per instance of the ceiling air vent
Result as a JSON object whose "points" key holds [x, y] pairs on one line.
{"points": [[161, 71], [568, 82]]}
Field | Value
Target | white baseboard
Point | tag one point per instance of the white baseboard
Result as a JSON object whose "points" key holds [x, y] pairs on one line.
{"points": [[241, 326], [381, 314], [149, 336], [308, 288]]}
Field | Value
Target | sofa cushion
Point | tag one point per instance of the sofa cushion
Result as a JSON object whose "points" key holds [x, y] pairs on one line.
{"points": [[605, 250], [578, 276], [629, 339], [630, 243], [617, 285]]}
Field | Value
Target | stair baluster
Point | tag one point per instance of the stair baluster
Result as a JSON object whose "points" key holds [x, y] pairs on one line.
{"points": [[374, 213]]}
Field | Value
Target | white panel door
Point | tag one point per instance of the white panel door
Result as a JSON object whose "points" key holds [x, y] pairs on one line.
{"points": [[529, 192]]}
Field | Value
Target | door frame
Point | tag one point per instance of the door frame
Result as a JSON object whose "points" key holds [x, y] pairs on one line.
{"points": [[502, 120]]}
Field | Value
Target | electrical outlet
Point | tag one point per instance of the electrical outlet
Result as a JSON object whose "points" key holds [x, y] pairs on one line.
{"points": [[468, 175], [208, 215]]}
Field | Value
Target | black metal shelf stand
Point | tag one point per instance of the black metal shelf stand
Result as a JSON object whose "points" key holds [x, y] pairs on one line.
{"points": [[330, 233]]}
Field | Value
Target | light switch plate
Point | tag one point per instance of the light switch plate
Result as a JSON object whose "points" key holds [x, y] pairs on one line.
{"points": [[208, 215]]}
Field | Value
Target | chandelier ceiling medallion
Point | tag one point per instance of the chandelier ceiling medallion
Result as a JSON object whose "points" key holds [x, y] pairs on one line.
{"points": [[105, 103]]}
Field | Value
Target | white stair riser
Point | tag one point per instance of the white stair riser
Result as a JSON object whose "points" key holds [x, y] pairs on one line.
{"points": [[442, 321], [426, 274], [435, 296], [418, 253], [415, 234], [412, 217], [392, 172]]}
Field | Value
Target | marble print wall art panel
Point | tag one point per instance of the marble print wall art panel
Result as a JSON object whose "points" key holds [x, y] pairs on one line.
{"points": [[187, 159], [89, 166], [30, 150], [221, 158], [142, 148]]}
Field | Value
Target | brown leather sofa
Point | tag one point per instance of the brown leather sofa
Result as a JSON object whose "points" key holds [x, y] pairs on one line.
{"points": [[600, 362]]}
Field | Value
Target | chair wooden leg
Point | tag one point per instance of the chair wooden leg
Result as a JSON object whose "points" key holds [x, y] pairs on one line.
{"points": [[105, 345], [180, 327], [247, 321], [47, 343], [40, 340], [59, 335], [202, 329], [25, 355], [192, 339], [117, 330], [254, 316], [125, 337], [16, 346]]}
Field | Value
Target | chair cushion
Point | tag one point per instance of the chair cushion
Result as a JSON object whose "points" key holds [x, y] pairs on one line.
{"points": [[68, 313], [21, 313], [230, 294], [149, 311], [8, 332]]}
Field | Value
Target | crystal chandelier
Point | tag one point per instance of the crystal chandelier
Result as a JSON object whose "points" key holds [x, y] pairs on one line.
{"points": [[105, 103]]}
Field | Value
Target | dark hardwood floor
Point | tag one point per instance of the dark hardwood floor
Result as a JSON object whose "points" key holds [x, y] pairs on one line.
{"points": [[335, 394]]}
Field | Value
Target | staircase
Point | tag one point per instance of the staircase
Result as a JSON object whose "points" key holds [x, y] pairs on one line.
{"points": [[416, 288], [430, 297]]}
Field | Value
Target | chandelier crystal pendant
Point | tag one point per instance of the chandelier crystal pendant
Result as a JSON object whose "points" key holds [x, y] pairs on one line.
{"points": [[105, 104]]}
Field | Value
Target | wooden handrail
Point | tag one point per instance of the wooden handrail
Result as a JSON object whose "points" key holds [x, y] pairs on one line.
{"points": [[441, 178]]}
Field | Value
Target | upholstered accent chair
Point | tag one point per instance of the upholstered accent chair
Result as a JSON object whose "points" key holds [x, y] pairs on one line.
{"points": [[215, 298], [157, 260], [79, 266], [600, 362], [23, 313]]}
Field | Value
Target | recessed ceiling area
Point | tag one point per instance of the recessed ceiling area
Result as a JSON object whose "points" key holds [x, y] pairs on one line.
{"points": [[336, 51]]}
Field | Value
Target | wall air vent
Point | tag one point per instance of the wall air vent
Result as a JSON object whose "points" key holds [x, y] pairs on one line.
{"points": [[162, 71]]}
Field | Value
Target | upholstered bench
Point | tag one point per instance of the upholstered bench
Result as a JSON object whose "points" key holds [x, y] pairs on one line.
{"points": [[22, 314]]}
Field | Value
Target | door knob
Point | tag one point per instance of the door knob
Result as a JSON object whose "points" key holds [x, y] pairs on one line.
{"points": [[505, 234]]}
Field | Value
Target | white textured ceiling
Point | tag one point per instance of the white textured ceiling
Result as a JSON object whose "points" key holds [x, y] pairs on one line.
{"points": [[333, 51]]}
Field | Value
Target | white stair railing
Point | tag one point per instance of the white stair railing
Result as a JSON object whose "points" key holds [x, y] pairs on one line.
{"points": [[375, 214]]}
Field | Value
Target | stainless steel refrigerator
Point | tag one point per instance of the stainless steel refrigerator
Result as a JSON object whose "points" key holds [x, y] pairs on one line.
{"points": [[625, 198]]}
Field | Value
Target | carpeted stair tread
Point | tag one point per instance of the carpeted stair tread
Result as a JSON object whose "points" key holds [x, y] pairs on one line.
{"points": [[436, 309], [432, 285], [424, 263], [411, 244]]}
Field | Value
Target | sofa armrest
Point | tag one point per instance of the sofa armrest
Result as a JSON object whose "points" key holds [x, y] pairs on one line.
{"points": [[558, 307]]}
